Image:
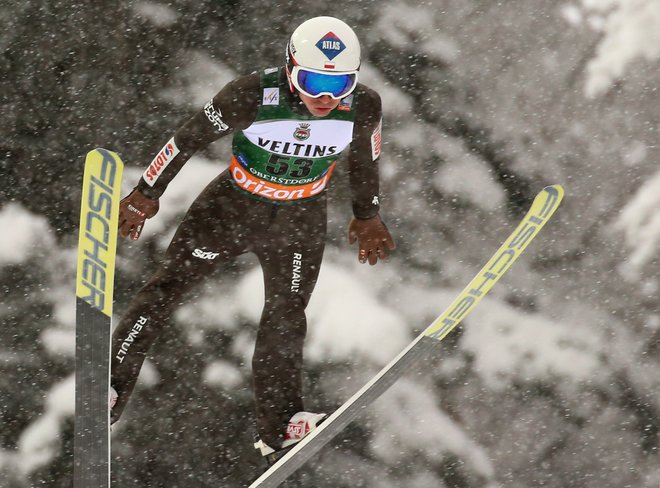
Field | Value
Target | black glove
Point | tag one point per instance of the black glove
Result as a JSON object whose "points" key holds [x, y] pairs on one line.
{"points": [[133, 211], [374, 240]]}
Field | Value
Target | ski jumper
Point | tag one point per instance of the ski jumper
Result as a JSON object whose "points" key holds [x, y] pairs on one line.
{"points": [[271, 201]]}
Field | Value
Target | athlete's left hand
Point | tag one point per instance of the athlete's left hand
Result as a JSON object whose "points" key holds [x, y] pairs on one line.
{"points": [[374, 240]]}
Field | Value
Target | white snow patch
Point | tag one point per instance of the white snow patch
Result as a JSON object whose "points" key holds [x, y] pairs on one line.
{"points": [[223, 374], [195, 337], [572, 14], [630, 31], [411, 135], [60, 400], [149, 375], [243, 347], [343, 316], [40, 442], [412, 424], [635, 153], [59, 342], [653, 322], [9, 461], [639, 221], [62, 295], [213, 311], [395, 101], [510, 346], [25, 234], [470, 181], [249, 296], [199, 81], [346, 319], [466, 176], [403, 27], [157, 13]]}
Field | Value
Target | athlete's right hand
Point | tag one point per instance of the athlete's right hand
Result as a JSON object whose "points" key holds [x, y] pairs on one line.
{"points": [[133, 211]]}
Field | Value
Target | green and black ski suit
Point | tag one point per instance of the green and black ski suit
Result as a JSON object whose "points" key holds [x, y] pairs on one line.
{"points": [[271, 201]]}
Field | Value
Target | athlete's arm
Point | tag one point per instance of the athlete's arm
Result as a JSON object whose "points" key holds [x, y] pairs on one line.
{"points": [[364, 154], [233, 108], [374, 240]]}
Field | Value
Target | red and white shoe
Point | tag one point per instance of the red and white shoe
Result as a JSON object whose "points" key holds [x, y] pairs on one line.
{"points": [[112, 397], [299, 426]]}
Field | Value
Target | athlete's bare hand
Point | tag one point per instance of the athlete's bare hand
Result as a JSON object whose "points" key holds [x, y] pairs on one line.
{"points": [[374, 240]]}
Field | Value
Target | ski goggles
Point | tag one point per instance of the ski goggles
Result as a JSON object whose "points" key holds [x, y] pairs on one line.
{"points": [[315, 83]]}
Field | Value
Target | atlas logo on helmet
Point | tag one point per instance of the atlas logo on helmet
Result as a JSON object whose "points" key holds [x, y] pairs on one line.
{"points": [[330, 45]]}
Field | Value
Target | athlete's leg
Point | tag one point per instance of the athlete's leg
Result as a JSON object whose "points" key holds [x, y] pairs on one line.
{"points": [[290, 254], [143, 321], [205, 237]]}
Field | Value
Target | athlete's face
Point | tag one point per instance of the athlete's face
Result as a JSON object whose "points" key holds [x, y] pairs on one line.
{"points": [[320, 106]]}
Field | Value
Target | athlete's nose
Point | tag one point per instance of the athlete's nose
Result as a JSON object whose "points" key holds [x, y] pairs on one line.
{"points": [[326, 99]]}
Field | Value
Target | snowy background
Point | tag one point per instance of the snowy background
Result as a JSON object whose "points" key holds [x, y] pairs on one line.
{"points": [[553, 379]]}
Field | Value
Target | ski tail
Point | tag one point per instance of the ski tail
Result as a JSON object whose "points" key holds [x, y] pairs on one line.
{"points": [[97, 243], [543, 207]]}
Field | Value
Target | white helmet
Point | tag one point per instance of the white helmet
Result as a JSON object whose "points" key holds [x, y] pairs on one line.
{"points": [[323, 46]]}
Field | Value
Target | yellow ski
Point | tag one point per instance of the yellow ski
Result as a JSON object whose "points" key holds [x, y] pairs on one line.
{"points": [[543, 207], [99, 213]]}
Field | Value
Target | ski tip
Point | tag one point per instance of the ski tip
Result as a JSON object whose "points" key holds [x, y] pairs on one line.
{"points": [[555, 189], [550, 197], [103, 151], [547, 201], [97, 240]]}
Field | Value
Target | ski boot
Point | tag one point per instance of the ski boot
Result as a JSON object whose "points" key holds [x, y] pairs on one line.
{"points": [[299, 426]]}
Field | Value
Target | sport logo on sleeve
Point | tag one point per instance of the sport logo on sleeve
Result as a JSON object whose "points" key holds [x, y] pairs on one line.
{"points": [[215, 117], [376, 141], [208, 255], [160, 162]]}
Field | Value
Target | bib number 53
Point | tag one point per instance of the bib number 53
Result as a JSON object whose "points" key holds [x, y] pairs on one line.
{"points": [[282, 165]]}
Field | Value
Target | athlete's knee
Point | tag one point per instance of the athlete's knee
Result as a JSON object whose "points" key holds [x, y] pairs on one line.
{"points": [[168, 283], [287, 307]]}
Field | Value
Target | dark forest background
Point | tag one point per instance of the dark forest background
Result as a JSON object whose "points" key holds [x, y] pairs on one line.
{"points": [[492, 85]]}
